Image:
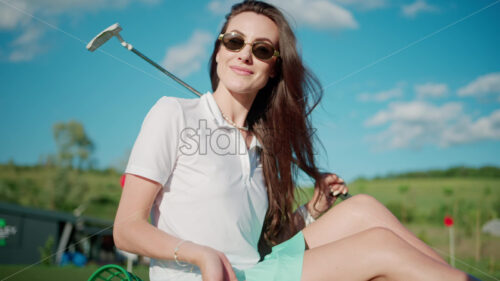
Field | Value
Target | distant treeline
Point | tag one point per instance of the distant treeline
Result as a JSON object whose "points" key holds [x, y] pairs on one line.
{"points": [[461, 171], [11, 166], [59, 188]]}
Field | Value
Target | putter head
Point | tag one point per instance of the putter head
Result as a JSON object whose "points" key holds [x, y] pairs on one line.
{"points": [[104, 36]]}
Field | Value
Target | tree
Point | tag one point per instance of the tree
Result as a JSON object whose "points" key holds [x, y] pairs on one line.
{"points": [[73, 144], [74, 149]]}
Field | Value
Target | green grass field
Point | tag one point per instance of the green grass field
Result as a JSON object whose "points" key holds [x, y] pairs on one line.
{"points": [[420, 203], [53, 273]]}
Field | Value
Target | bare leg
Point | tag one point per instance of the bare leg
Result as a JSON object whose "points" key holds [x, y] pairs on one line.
{"points": [[359, 213], [374, 254]]}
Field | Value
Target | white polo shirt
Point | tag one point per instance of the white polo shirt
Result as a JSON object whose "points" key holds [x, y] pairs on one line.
{"points": [[214, 192]]}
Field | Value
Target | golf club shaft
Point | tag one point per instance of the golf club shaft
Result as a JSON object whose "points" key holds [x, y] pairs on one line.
{"points": [[135, 51], [342, 196]]}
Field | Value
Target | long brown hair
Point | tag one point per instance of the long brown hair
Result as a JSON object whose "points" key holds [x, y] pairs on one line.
{"points": [[280, 119]]}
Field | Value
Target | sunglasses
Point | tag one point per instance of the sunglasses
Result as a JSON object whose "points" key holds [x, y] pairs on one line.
{"points": [[260, 49]]}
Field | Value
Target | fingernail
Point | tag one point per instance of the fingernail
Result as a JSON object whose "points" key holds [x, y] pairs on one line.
{"points": [[336, 192]]}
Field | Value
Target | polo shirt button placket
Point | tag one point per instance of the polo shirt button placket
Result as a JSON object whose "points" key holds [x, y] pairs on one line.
{"points": [[246, 168], [245, 161]]}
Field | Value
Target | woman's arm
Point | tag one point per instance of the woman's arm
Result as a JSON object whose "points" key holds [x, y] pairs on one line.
{"points": [[133, 233]]}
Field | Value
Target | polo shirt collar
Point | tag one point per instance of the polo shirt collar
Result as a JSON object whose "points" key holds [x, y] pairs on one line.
{"points": [[214, 110]]}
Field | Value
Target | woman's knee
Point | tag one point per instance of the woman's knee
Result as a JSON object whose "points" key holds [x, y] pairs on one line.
{"points": [[360, 210], [364, 200], [367, 205], [362, 204]]}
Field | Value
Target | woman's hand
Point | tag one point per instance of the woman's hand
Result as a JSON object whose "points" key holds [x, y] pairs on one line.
{"points": [[327, 189], [215, 266]]}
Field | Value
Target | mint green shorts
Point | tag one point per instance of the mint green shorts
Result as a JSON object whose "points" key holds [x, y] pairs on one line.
{"points": [[284, 263]]}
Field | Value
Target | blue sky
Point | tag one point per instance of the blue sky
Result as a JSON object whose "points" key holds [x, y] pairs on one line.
{"points": [[408, 85]]}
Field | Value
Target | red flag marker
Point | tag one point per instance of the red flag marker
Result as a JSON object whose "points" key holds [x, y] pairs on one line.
{"points": [[122, 180], [448, 221]]}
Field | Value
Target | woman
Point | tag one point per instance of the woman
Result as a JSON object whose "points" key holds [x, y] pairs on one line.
{"points": [[217, 173]]}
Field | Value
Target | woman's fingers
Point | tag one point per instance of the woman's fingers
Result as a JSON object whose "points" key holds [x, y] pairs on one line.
{"points": [[337, 189], [228, 268], [333, 179]]}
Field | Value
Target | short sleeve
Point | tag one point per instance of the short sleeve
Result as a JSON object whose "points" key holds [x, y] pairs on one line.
{"points": [[155, 149]]}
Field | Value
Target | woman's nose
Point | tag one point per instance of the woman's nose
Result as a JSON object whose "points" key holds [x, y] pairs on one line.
{"points": [[245, 54]]}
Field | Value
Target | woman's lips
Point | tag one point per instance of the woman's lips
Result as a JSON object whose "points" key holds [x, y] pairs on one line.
{"points": [[241, 70]]}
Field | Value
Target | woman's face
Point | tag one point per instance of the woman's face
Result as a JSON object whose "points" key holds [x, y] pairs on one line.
{"points": [[240, 71]]}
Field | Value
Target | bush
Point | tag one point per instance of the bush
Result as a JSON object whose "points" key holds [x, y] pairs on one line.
{"points": [[404, 212], [46, 256]]}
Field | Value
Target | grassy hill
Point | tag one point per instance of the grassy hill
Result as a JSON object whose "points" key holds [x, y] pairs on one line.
{"points": [[54, 188]]}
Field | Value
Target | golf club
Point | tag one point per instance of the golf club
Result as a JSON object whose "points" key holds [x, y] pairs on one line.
{"points": [[114, 31]]}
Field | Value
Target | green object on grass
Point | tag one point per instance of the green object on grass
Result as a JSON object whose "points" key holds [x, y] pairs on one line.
{"points": [[113, 272], [2, 239]]}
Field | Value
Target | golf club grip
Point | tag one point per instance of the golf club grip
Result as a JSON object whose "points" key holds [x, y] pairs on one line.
{"points": [[345, 196], [135, 51]]}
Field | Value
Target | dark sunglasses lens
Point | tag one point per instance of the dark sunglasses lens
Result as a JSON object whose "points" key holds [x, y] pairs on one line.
{"points": [[233, 41], [263, 50]]}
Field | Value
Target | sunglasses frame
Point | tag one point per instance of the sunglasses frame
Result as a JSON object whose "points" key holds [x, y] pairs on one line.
{"points": [[276, 53]]}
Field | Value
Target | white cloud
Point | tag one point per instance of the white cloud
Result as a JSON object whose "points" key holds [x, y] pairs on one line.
{"points": [[14, 13], [415, 124], [415, 112], [431, 90], [187, 57], [482, 86], [18, 17], [363, 4], [219, 7], [418, 7], [320, 14], [466, 130], [26, 46], [11, 18], [382, 96]]}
